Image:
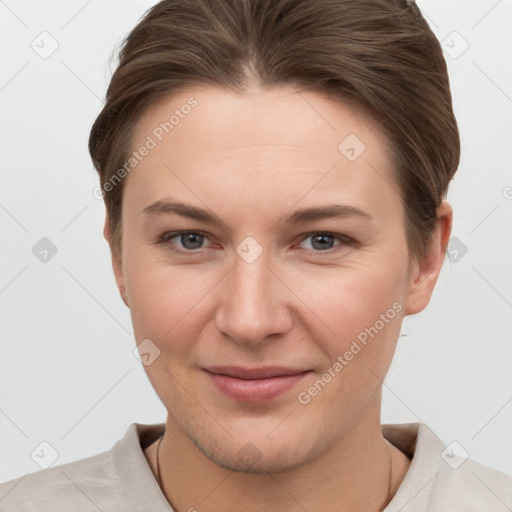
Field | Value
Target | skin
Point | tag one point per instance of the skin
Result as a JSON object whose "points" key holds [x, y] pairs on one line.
{"points": [[252, 159]]}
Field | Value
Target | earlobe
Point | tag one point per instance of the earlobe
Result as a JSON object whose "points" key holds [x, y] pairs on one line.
{"points": [[116, 261], [425, 272]]}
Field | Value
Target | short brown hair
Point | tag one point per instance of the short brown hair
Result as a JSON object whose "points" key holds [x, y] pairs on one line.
{"points": [[380, 55]]}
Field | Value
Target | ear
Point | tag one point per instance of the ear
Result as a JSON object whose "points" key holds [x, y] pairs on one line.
{"points": [[425, 272], [116, 261]]}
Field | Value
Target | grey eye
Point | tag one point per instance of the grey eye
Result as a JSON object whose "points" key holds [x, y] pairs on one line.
{"points": [[321, 241], [191, 240]]}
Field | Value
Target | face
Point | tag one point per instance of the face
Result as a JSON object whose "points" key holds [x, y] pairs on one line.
{"points": [[274, 326]]}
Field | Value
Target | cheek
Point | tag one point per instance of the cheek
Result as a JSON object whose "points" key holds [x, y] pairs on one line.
{"points": [[166, 301], [171, 303], [364, 309], [346, 301]]}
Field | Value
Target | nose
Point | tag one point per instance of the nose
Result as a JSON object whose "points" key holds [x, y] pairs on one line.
{"points": [[254, 302]]}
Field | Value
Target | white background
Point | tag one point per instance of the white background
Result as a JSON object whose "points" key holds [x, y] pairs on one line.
{"points": [[68, 375]]}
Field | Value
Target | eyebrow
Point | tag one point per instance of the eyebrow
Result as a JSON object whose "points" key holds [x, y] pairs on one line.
{"points": [[332, 211]]}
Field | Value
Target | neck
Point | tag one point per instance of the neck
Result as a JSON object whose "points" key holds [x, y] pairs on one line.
{"points": [[352, 474]]}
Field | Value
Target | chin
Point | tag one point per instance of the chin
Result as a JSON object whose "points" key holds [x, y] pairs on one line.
{"points": [[253, 460], [255, 451]]}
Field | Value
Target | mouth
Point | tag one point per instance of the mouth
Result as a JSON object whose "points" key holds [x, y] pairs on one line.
{"points": [[254, 385]]}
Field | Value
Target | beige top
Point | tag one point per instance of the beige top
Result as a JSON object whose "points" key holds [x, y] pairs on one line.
{"points": [[121, 479]]}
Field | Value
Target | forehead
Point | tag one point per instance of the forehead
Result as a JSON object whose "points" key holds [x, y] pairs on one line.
{"points": [[279, 116], [279, 144]]}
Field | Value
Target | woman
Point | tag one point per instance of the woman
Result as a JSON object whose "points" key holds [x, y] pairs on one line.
{"points": [[275, 175]]}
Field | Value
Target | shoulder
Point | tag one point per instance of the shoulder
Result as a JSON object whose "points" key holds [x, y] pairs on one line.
{"points": [[119, 479], [465, 484], [79, 486], [438, 480]]}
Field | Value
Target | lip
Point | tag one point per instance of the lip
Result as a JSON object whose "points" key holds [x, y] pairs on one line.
{"points": [[254, 385]]}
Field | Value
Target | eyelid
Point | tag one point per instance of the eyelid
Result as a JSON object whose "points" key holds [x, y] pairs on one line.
{"points": [[344, 240], [166, 237]]}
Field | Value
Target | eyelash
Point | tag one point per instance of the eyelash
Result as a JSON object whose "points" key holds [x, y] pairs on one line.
{"points": [[165, 241]]}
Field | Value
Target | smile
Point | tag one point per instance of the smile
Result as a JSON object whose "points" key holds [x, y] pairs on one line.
{"points": [[254, 385]]}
